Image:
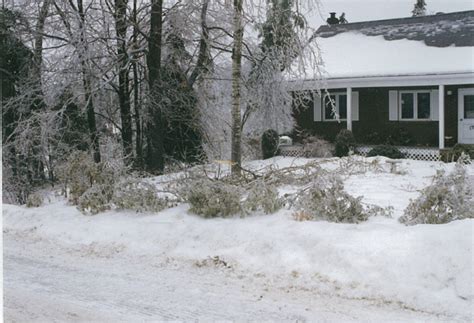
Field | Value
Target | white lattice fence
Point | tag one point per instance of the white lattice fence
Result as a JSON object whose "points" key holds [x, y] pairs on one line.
{"points": [[418, 153], [292, 151]]}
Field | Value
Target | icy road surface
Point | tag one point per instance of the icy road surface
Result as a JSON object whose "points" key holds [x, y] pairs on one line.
{"points": [[45, 281]]}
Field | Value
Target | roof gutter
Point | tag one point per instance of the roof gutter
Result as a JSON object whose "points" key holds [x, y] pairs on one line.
{"points": [[385, 81]]}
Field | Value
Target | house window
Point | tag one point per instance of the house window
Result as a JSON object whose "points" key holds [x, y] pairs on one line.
{"points": [[415, 105], [337, 101]]}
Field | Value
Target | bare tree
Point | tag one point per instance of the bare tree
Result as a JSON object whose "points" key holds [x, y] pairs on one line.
{"points": [[136, 94], [236, 156], [155, 156], [82, 49], [123, 79]]}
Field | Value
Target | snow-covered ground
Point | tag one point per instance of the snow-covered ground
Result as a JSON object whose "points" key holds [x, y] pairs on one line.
{"points": [[62, 265]]}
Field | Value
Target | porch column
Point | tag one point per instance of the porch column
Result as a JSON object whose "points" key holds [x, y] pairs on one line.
{"points": [[441, 116], [349, 108]]}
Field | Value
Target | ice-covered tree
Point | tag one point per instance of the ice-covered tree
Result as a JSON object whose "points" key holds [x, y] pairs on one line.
{"points": [[419, 9]]}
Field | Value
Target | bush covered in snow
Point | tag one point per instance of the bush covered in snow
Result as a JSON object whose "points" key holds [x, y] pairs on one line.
{"points": [[386, 151], [263, 197], [344, 143], [327, 200], [34, 200], [95, 200], [448, 198], [138, 196], [80, 173], [77, 174], [229, 196], [270, 142], [212, 198], [459, 149], [314, 146], [354, 164]]}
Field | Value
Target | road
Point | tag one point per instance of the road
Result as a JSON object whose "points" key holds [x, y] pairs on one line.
{"points": [[46, 281]]}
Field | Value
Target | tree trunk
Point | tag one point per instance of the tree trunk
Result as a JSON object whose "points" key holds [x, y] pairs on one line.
{"points": [[138, 127], [155, 158], [38, 151], [236, 74], [38, 43], [202, 63], [124, 95], [91, 122]]}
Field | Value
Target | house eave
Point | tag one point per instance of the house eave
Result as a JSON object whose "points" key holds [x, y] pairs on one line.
{"points": [[385, 81]]}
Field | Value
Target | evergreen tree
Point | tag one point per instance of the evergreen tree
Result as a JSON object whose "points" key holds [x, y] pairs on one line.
{"points": [[182, 137], [419, 8], [20, 100], [72, 124], [278, 31]]}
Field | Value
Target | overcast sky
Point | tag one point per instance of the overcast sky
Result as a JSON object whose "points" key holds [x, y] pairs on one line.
{"points": [[362, 10]]}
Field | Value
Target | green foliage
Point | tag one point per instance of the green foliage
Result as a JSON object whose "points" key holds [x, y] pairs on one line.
{"points": [[73, 123], [263, 197], [80, 172], [278, 32], [34, 200], [386, 151], [212, 198], [96, 187], [138, 196], [328, 201], [344, 143], [317, 147], [96, 199], [15, 57], [220, 198], [354, 164], [459, 149], [77, 174], [400, 137], [270, 141], [183, 140], [448, 198]]}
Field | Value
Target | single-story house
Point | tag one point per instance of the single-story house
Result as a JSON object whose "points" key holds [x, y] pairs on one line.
{"points": [[408, 81]]}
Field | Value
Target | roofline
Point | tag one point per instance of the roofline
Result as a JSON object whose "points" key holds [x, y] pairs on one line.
{"points": [[367, 23], [385, 81]]}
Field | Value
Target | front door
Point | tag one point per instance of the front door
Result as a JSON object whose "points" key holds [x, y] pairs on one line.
{"points": [[466, 116]]}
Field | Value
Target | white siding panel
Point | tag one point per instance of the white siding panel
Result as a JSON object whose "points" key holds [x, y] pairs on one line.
{"points": [[317, 106], [393, 105], [434, 100], [355, 106]]}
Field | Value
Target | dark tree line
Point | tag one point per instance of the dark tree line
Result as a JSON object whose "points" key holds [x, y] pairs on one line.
{"points": [[157, 107]]}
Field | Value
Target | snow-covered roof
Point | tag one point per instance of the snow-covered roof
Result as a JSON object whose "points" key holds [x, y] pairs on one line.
{"points": [[430, 45], [440, 30], [353, 54]]}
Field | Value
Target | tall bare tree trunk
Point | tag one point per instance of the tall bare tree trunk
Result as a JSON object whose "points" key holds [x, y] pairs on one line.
{"points": [[155, 155], [37, 158], [124, 94], [202, 63], [87, 84], [38, 43], [236, 155], [138, 127]]}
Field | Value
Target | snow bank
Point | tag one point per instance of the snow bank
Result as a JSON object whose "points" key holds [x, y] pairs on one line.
{"points": [[424, 267]]}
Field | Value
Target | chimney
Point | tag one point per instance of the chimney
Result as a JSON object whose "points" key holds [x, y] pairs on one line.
{"points": [[332, 20]]}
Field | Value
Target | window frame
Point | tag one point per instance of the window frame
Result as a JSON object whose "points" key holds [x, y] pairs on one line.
{"points": [[323, 106], [415, 105]]}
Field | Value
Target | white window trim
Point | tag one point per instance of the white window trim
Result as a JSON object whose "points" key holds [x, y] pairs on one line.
{"points": [[323, 105], [415, 105]]}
